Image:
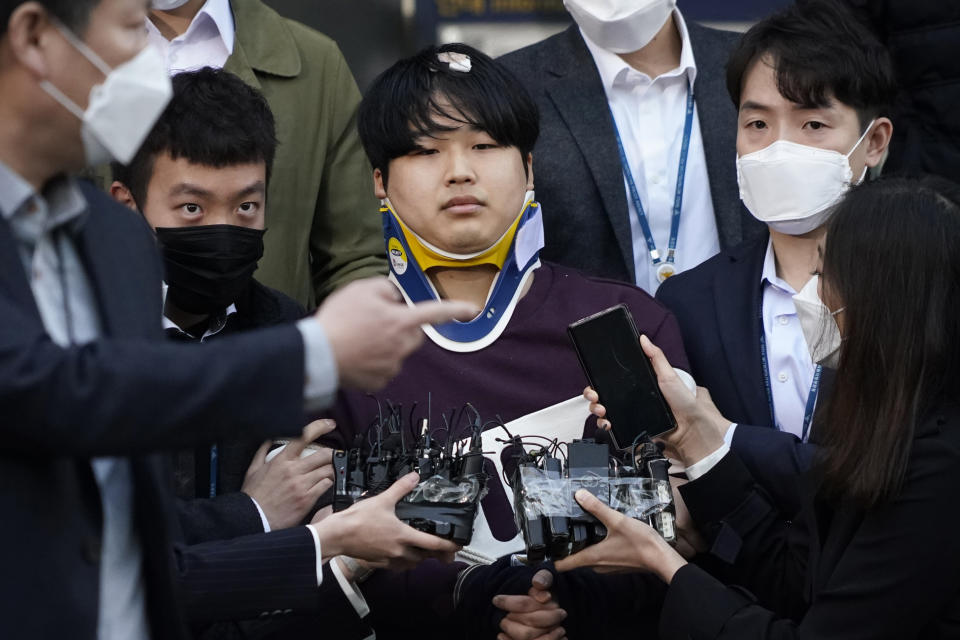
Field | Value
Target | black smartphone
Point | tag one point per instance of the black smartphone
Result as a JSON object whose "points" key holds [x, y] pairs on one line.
{"points": [[608, 346]]}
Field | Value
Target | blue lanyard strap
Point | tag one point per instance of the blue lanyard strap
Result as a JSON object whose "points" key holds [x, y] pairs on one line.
{"points": [[678, 197], [214, 463], [811, 396]]}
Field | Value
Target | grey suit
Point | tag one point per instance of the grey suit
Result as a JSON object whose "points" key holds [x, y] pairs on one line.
{"points": [[577, 167]]}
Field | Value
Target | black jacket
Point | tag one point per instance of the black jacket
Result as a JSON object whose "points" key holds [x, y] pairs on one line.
{"points": [[123, 394], [923, 37], [231, 513], [837, 571]]}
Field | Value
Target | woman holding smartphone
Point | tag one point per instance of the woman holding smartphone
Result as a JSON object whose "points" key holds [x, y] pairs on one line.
{"points": [[875, 552]]}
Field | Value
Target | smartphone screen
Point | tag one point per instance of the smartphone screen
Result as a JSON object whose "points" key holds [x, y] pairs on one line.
{"points": [[608, 346]]}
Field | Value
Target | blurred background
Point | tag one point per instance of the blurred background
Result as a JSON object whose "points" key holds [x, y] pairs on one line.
{"points": [[373, 34]]}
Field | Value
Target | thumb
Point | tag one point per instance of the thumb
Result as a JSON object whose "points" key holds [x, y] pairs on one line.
{"points": [[542, 580], [593, 505], [401, 487], [318, 428]]}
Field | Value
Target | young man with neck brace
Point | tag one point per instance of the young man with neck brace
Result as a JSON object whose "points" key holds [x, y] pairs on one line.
{"points": [[811, 85], [637, 134], [449, 134]]}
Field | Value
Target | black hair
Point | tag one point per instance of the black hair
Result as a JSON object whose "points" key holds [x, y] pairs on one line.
{"points": [[214, 119], [892, 261], [819, 50], [74, 14], [405, 100]]}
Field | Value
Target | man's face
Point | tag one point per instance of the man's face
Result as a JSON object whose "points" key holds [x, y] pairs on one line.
{"points": [[460, 190], [766, 116], [115, 31], [183, 194]]}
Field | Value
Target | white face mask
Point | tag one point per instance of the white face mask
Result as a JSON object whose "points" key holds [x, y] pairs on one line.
{"points": [[621, 26], [792, 187], [122, 110], [167, 5], [819, 325]]}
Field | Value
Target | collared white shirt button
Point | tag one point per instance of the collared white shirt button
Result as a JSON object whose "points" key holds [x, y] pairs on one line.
{"points": [[782, 377], [783, 320]]}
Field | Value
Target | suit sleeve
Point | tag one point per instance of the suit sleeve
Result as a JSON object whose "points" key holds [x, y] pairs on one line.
{"points": [[258, 575], [229, 515], [896, 574], [777, 461], [346, 239], [125, 396]]}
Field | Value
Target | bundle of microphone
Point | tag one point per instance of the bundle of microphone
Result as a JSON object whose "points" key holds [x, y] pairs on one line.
{"points": [[545, 478], [452, 478]]}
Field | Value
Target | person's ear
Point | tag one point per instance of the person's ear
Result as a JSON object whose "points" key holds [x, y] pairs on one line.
{"points": [[28, 38], [529, 172], [379, 186], [878, 140], [120, 193]]}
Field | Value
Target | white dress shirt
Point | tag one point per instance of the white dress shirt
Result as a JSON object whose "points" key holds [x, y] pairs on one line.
{"points": [[649, 114], [788, 358], [207, 42]]}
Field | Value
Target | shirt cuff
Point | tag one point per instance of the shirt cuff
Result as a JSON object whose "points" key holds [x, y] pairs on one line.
{"points": [[320, 377], [728, 436], [701, 467], [316, 542], [351, 590], [263, 516]]}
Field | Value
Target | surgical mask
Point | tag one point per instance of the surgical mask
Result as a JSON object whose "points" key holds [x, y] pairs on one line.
{"points": [[123, 109], [793, 188], [208, 266], [621, 26], [819, 325], [167, 5]]}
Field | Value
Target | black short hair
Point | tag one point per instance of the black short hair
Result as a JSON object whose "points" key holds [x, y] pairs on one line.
{"points": [[819, 50], [73, 13], [214, 119], [405, 100]]}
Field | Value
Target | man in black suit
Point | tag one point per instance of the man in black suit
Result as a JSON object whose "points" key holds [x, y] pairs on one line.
{"points": [[636, 76], [88, 389]]}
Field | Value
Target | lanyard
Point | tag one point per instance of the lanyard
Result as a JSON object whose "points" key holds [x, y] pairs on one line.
{"points": [[811, 396], [214, 463], [665, 269]]}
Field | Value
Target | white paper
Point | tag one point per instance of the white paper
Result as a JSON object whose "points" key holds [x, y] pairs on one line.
{"points": [[563, 421]]}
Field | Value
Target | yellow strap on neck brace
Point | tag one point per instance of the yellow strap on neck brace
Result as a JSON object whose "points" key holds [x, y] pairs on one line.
{"points": [[428, 257]]}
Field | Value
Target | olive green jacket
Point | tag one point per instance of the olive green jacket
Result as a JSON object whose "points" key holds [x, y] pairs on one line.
{"points": [[323, 224]]}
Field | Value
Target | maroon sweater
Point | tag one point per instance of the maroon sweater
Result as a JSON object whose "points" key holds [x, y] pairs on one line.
{"points": [[532, 365]]}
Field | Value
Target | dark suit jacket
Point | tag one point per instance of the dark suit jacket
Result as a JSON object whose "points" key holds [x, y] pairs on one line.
{"points": [[128, 393], [838, 571], [229, 569], [718, 306], [576, 164]]}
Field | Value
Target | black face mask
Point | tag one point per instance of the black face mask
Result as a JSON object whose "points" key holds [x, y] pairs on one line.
{"points": [[208, 266]]}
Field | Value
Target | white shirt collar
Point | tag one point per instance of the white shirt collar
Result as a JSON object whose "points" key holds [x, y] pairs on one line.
{"points": [[615, 72], [769, 273], [215, 327], [215, 13]]}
